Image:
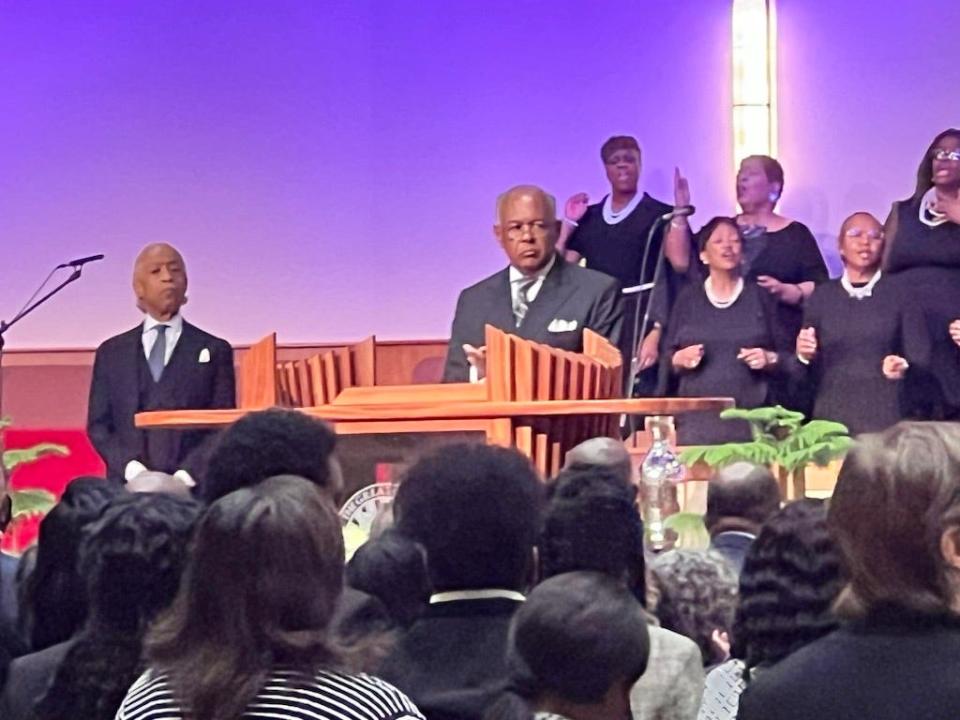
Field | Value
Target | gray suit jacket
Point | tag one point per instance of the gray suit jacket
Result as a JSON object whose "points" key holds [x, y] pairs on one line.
{"points": [[569, 293], [672, 686]]}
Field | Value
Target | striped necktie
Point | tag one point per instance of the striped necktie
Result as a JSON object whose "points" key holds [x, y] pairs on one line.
{"points": [[158, 353], [522, 302]]}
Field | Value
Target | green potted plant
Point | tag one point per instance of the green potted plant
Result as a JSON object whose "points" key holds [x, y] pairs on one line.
{"points": [[780, 439]]}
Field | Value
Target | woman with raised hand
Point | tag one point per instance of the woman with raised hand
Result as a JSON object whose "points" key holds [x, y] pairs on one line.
{"points": [[861, 336], [249, 632], [923, 251]]}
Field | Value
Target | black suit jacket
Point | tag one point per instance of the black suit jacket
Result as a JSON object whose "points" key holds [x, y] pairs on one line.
{"points": [[186, 383], [733, 547], [569, 292], [452, 661], [28, 679]]}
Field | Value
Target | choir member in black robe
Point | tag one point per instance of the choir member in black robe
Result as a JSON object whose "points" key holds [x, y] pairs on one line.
{"points": [[860, 337], [723, 339]]}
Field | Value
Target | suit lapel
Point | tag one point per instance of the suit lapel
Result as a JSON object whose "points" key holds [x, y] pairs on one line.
{"points": [[553, 293], [178, 368], [501, 303]]}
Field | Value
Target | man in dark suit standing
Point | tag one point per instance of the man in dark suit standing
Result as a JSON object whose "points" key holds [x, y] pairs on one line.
{"points": [[164, 363], [539, 296]]}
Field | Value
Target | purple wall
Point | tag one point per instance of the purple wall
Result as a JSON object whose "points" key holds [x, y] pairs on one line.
{"points": [[329, 168]]}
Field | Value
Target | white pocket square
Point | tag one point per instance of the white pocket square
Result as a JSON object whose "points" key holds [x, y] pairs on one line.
{"points": [[558, 326], [204, 356]]}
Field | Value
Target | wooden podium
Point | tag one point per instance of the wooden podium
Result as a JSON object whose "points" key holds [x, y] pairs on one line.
{"points": [[539, 399]]}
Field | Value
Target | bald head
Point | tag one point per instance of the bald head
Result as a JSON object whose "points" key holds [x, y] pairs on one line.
{"points": [[160, 281], [602, 452], [527, 227], [741, 496]]}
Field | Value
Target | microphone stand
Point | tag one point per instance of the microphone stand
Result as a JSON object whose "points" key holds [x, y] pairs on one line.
{"points": [[29, 308]]}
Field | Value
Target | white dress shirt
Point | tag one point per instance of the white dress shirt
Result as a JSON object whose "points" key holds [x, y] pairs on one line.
{"points": [[517, 279], [174, 331]]}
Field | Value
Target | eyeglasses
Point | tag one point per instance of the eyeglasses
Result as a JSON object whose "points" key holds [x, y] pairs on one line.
{"points": [[518, 230], [941, 154], [870, 234]]}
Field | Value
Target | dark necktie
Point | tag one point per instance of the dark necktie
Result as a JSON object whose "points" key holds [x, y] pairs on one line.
{"points": [[522, 303], [158, 353]]}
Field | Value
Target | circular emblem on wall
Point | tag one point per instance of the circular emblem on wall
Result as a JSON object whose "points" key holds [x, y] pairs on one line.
{"points": [[361, 510]]}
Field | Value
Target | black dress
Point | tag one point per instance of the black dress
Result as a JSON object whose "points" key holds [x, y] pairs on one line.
{"points": [[927, 261], [853, 337], [618, 250], [748, 323]]}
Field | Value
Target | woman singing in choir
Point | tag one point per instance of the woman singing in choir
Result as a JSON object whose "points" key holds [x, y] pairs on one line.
{"points": [[723, 338], [859, 334], [923, 251]]}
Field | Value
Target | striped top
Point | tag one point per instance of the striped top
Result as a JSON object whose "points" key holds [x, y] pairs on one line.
{"points": [[287, 695]]}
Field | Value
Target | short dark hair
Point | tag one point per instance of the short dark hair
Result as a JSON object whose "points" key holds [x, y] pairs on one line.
{"points": [[704, 233], [131, 558], [897, 493], [266, 444], [772, 169], [618, 142], [575, 637], [925, 169], [697, 595], [259, 590], [741, 494], [790, 579], [476, 510], [594, 526], [55, 597], [579, 478], [392, 568]]}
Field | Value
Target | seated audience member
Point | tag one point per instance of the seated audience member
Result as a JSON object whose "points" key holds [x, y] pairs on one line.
{"points": [[393, 569], [740, 498], [164, 363], [613, 236], [859, 332], [131, 559], [539, 296], [55, 604], [790, 579], [475, 509], [895, 514], [253, 639], [591, 523], [11, 644], [268, 443], [577, 646], [698, 599], [723, 338], [603, 452]]}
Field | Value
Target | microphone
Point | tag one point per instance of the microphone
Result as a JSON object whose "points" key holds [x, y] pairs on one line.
{"points": [[80, 261], [682, 211]]}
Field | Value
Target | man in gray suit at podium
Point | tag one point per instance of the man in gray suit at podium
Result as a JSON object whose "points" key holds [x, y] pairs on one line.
{"points": [[539, 296]]}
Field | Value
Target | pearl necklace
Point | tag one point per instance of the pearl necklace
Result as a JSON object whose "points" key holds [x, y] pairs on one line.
{"points": [[611, 217], [717, 302]]}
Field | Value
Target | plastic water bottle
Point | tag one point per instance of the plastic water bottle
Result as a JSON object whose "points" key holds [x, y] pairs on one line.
{"points": [[659, 472]]}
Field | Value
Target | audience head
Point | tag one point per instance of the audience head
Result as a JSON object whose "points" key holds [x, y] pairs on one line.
{"points": [[576, 647], [790, 579], [393, 569], [937, 168], [131, 559], [721, 245], [527, 227], [759, 183], [895, 514], [475, 509], [55, 599], [741, 496], [698, 599], [621, 158], [269, 443], [861, 242], [6, 502], [259, 591], [604, 452], [592, 523], [160, 281]]}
